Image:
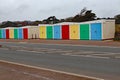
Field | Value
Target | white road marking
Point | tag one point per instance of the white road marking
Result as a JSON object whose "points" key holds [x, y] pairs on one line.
{"points": [[57, 71], [117, 57], [4, 48], [90, 56], [22, 42], [109, 54], [69, 45], [67, 54], [29, 51], [78, 45]]}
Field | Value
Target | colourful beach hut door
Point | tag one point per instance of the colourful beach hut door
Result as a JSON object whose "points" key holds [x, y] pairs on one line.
{"points": [[43, 32], [3, 34], [57, 32], [11, 33], [65, 32], [49, 32], [84, 31], [20, 33], [16, 33], [74, 31], [96, 32], [0, 34], [7, 34], [25, 33]]}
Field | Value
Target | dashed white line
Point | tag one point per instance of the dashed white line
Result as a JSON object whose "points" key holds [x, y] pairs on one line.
{"points": [[4, 48], [117, 57], [98, 57], [29, 51], [89, 56]]}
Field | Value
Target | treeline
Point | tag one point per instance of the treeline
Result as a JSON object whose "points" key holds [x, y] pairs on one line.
{"points": [[84, 15]]}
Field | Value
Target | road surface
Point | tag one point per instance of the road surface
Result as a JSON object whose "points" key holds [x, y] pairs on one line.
{"points": [[101, 62]]}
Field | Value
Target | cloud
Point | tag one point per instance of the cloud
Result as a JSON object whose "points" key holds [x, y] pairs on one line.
{"points": [[41, 9]]}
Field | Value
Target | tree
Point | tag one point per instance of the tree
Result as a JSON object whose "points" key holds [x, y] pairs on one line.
{"points": [[69, 19], [117, 19], [85, 15], [36, 23], [8, 24], [89, 15], [82, 12], [51, 20]]}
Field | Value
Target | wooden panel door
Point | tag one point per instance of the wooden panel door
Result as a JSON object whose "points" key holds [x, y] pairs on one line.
{"points": [[7, 33], [65, 32], [84, 32], [74, 31], [96, 31], [49, 32], [25, 33], [57, 32], [43, 32]]}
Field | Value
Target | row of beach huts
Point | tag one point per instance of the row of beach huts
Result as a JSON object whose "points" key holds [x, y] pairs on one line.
{"points": [[91, 30]]}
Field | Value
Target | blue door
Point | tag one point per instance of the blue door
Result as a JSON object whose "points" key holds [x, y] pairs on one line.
{"points": [[96, 32], [57, 32], [20, 33], [3, 34]]}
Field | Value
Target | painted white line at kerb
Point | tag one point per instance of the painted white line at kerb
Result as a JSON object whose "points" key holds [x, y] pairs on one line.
{"points": [[67, 44], [78, 45], [22, 42], [62, 72]]}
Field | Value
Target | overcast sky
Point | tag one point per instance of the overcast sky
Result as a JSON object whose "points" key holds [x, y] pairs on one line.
{"points": [[18, 10]]}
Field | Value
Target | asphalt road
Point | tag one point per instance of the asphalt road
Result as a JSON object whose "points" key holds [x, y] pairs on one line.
{"points": [[107, 68]]}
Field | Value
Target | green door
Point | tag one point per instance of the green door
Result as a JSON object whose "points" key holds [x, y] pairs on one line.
{"points": [[0, 34], [16, 33], [84, 31], [49, 32]]}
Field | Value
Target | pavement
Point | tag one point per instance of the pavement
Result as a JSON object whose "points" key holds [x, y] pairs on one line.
{"points": [[13, 71]]}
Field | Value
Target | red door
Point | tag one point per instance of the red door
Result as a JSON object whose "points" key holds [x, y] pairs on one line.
{"points": [[25, 33], [65, 31], [7, 34]]}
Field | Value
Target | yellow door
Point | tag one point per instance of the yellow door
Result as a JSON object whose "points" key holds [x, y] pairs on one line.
{"points": [[11, 34], [74, 31], [43, 32]]}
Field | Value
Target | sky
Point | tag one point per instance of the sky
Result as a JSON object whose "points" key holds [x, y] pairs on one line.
{"points": [[19, 10]]}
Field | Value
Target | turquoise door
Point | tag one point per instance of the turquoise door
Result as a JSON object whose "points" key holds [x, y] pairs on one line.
{"points": [[57, 32], [3, 34], [0, 34], [96, 32], [20, 33]]}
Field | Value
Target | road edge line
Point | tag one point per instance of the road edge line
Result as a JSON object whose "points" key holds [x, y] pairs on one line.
{"points": [[69, 45]]}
